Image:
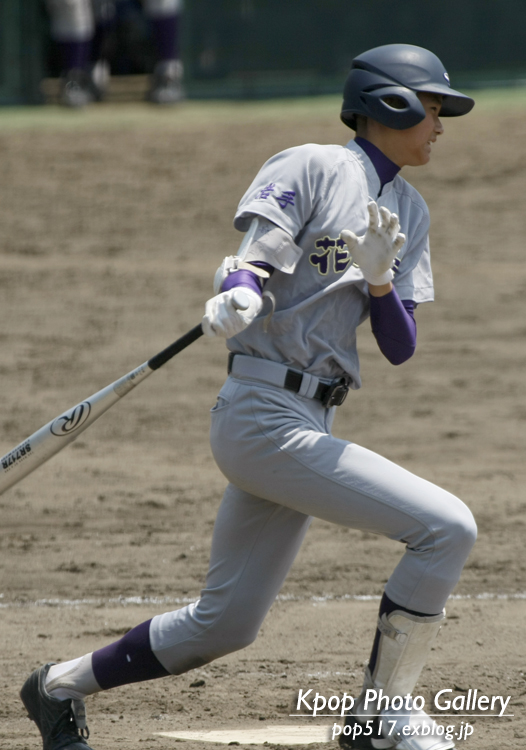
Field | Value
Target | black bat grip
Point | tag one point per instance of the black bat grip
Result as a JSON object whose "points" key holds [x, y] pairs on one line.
{"points": [[159, 359]]}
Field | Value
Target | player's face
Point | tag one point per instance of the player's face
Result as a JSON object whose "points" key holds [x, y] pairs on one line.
{"points": [[413, 146]]}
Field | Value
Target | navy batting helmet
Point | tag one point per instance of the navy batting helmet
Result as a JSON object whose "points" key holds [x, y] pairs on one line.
{"points": [[396, 72]]}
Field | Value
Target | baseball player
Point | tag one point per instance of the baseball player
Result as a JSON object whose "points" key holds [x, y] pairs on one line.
{"points": [[79, 29], [334, 235]]}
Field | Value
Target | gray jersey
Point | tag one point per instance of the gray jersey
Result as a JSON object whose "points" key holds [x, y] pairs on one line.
{"points": [[313, 192]]}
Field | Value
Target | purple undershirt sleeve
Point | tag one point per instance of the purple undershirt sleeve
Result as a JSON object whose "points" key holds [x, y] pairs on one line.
{"points": [[247, 278], [394, 326]]}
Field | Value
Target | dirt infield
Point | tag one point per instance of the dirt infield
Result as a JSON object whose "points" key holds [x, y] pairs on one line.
{"points": [[110, 238]]}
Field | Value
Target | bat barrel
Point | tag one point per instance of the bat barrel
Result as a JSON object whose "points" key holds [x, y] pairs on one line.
{"points": [[55, 435], [60, 432]]}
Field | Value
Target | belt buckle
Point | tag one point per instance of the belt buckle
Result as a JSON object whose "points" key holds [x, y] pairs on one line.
{"points": [[336, 393]]}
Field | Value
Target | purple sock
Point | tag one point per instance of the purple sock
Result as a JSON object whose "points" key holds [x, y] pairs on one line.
{"points": [[128, 660], [100, 38], [386, 607], [74, 55], [166, 37]]}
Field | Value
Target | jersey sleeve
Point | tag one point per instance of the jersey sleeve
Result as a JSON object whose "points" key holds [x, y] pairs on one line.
{"points": [[286, 190], [413, 278], [273, 246]]}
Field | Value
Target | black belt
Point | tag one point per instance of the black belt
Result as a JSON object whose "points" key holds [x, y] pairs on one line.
{"points": [[330, 394]]}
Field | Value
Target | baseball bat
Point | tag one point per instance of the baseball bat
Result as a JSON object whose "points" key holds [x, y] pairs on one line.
{"points": [[61, 431]]}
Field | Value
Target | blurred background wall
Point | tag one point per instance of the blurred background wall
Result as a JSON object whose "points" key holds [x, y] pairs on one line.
{"points": [[259, 48], [22, 51]]}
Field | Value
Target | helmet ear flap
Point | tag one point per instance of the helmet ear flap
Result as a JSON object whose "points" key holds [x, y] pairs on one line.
{"points": [[366, 92], [407, 112]]}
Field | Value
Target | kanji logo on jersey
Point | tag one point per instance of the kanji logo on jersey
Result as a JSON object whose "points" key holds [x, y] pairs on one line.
{"points": [[264, 194], [286, 199], [333, 256]]}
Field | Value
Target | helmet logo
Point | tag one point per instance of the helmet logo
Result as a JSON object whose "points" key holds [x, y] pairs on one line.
{"points": [[447, 78]]}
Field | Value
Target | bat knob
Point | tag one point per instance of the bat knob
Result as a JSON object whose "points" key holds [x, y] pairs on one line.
{"points": [[240, 300]]}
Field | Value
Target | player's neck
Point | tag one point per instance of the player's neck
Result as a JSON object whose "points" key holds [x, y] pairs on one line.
{"points": [[385, 168]]}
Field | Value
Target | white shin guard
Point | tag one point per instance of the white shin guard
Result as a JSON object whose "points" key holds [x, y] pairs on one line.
{"points": [[405, 643]]}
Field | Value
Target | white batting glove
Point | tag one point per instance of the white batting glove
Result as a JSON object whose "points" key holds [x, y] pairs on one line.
{"points": [[229, 313], [377, 249]]}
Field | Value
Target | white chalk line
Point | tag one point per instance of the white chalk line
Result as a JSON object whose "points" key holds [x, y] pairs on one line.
{"points": [[125, 601]]}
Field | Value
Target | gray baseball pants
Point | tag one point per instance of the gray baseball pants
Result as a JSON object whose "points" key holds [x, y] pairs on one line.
{"points": [[284, 467]]}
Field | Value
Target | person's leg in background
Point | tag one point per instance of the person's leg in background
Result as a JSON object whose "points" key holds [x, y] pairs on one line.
{"points": [[104, 14], [72, 30], [166, 82]]}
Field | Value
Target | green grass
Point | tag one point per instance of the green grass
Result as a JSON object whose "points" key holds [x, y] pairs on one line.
{"points": [[191, 113], [142, 115], [500, 99]]}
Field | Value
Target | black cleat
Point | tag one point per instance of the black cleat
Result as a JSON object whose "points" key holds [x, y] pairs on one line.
{"points": [[62, 724]]}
